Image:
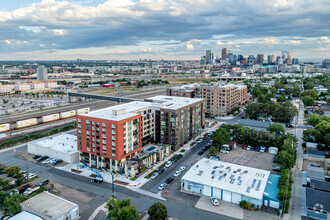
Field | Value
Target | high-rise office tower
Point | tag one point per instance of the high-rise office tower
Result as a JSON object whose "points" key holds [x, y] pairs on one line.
{"points": [[42, 73], [295, 61], [224, 54], [209, 57], [271, 59], [288, 59], [260, 58], [239, 57], [284, 55]]}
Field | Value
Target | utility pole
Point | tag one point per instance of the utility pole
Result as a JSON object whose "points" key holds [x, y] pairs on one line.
{"points": [[27, 165], [113, 187]]}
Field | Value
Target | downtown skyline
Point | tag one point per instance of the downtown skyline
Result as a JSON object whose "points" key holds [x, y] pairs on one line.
{"points": [[61, 30]]}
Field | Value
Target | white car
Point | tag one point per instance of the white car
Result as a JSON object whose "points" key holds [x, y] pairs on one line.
{"points": [[168, 164], [200, 141], [177, 173], [154, 175], [262, 149], [215, 201], [46, 161], [162, 186], [224, 151], [182, 168], [248, 148]]}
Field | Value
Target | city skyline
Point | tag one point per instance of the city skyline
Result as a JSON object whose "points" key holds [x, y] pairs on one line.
{"points": [[177, 30]]}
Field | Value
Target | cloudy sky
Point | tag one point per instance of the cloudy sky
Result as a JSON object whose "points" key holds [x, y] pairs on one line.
{"points": [[161, 29]]}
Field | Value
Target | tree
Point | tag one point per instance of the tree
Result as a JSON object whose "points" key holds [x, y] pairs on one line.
{"points": [[286, 159], [261, 98], [121, 210], [213, 150], [12, 203], [313, 119], [221, 137], [312, 93], [12, 171], [277, 128], [4, 183], [280, 99], [308, 100], [157, 211]]}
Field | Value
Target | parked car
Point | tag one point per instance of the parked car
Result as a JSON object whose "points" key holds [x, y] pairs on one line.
{"points": [[257, 149], [30, 190], [215, 158], [262, 149], [36, 156], [315, 165], [42, 158], [252, 149], [182, 168], [168, 164], [200, 141], [278, 169], [179, 156], [162, 186], [201, 152], [174, 159], [154, 175], [177, 173], [224, 151], [248, 148], [169, 180], [215, 201], [43, 183], [160, 170], [244, 147], [46, 161]]}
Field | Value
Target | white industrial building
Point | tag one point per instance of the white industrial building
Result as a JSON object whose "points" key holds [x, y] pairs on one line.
{"points": [[61, 146], [231, 182]]}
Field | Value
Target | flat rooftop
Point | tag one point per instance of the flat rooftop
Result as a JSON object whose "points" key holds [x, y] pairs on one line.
{"points": [[173, 102], [48, 204], [247, 181], [127, 111], [64, 143]]}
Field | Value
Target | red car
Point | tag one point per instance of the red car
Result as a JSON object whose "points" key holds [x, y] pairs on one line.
{"points": [[244, 147]]}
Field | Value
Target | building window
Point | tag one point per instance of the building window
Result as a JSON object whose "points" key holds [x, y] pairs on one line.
{"points": [[92, 122], [104, 153], [80, 147], [79, 137], [87, 132], [79, 131], [104, 147], [87, 127], [97, 124], [93, 150], [114, 144], [79, 120], [88, 149], [87, 138], [87, 122], [113, 132], [103, 136], [114, 155], [93, 145], [88, 144], [93, 139], [93, 128], [113, 150], [79, 125], [103, 125], [103, 130], [113, 126], [104, 142], [93, 134]]}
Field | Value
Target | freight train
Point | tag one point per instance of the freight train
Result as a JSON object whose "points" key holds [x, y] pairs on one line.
{"points": [[43, 119]]}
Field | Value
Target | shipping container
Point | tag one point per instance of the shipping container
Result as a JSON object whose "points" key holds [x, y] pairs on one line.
{"points": [[48, 118], [4, 127], [26, 123], [82, 111], [67, 114]]}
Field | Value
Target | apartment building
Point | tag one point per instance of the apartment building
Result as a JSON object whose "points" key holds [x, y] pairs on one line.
{"points": [[109, 137], [222, 99], [178, 119]]}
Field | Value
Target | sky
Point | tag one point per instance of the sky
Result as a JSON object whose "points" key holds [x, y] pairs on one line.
{"points": [[162, 29]]}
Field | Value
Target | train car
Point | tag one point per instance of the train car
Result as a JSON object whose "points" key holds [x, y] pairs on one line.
{"points": [[4, 127], [26, 123], [48, 118], [68, 114], [82, 111]]}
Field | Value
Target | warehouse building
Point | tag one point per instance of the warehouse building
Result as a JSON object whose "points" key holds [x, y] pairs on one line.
{"points": [[232, 183], [61, 146]]}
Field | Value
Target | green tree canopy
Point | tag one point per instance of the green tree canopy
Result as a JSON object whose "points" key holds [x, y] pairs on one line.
{"points": [[308, 100], [12, 171], [277, 128], [157, 211], [121, 210], [221, 137]]}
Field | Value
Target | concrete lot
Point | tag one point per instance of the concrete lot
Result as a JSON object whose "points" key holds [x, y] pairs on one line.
{"points": [[306, 163], [250, 158]]}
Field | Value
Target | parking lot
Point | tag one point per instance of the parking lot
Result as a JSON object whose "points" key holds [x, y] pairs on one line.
{"points": [[250, 158]]}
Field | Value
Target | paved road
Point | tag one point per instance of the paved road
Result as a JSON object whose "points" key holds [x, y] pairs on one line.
{"points": [[103, 191]]}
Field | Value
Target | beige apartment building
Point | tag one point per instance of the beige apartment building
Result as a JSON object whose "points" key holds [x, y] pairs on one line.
{"points": [[221, 99]]}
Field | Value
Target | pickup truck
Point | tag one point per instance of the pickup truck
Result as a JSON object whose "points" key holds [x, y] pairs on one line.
{"points": [[30, 190], [20, 189]]}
